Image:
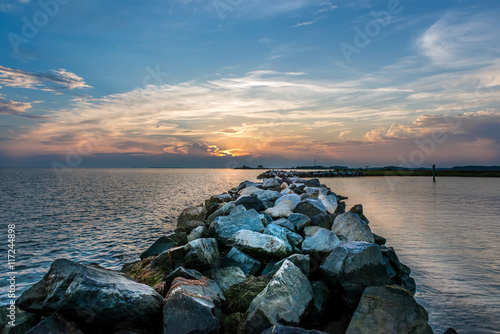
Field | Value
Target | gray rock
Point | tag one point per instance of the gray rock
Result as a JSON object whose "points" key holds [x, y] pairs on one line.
{"points": [[292, 197], [268, 195], [202, 254], [294, 239], [188, 226], [322, 220], [245, 184], [322, 243], [280, 233], [300, 221], [271, 183], [281, 210], [357, 209], [388, 309], [309, 231], [190, 274], [379, 240], [23, 321], [95, 296], [258, 244], [238, 209], [285, 300], [353, 266], [303, 262], [226, 277], [246, 263], [251, 202], [321, 296], [193, 213], [349, 227], [198, 233], [225, 227], [330, 202], [310, 207], [192, 306], [222, 211], [285, 223], [290, 330], [165, 243], [312, 183], [55, 324], [222, 198], [169, 260]]}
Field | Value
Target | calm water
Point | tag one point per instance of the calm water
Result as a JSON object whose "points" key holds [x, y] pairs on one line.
{"points": [[447, 232]]}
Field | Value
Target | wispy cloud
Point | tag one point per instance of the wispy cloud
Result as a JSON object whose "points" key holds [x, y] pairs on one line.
{"points": [[55, 80], [16, 109]]}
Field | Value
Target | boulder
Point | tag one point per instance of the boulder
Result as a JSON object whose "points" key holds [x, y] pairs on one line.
{"points": [[388, 309], [192, 306], [190, 274], [165, 243], [322, 243], [280, 233], [226, 277], [281, 210], [322, 220], [330, 202], [55, 324], [357, 209], [245, 184], [300, 221], [268, 195], [311, 183], [202, 254], [238, 209], [290, 330], [258, 244], [250, 191], [294, 239], [303, 262], [23, 321], [225, 227], [198, 233], [193, 213], [222, 211], [291, 197], [222, 198], [285, 223], [101, 299], [240, 296], [310, 207], [188, 226], [309, 231], [285, 300], [349, 227], [321, 297], [246, 263], [271, 183], [353, 266], [169, 260], [379, 240], [251, 202]]}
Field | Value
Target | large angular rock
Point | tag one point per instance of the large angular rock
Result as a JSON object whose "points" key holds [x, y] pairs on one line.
{"points": [[284, 301], [192, 306], [198, 233], [309, 231], [225, 227], [258, 244], [322, 243], [311, 183], [349, 227], [310, 207], [300, 221], [55, 324], [240, 296], [250, 191], [268, 195], [271, 183], [323, 220], [238, 209], [280, 233], [388, 309], [303, 262], [226, 277], [246, 263], [202, 254], [222, 198], [22, 321], [190, 274], [165, 243], [251, 202], [281, 210], [330, 202], [353, 266], [95, 296], [193, 213], [285, 223], [188, 226], [291, 197], [222, 211], [321, 296], [290, 330], [246, 184]]}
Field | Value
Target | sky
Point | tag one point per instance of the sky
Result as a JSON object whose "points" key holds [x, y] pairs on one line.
{"points": [[226, 83]]}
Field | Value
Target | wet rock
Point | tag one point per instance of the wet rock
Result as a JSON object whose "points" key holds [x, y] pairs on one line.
{"points": [[357, 209], [23, 321], [246, 263], [188, 226], [290, 330], [169, 260], [198, 233], [379, 240], [55, 324], [190, 274], [240, 296], [222, 211], [300, 221], [321, 297], [285, 300], [303, 262], [258, 244], [280, 233], [226, 226], [251, 202], [165, 243], [291, 197], [283, 222], [281, 210], [310, 207], [202, 254], [321, 243], [322, 220], [95, 296], [450, 331], [192, 306], [214, 199], [226, 277], [349, 227], [388, 309], [353, 266], [197, 213]]}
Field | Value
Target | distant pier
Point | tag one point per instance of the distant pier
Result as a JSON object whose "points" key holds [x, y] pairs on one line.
{"points": [[309, 174]]}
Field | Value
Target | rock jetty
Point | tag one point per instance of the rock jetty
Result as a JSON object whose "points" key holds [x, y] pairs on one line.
{"points": [[309, 174], [280, 256]]}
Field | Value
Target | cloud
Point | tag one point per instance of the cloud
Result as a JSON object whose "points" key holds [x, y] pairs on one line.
{"points": [[301, 24], [16, 108], [53, 81]]}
